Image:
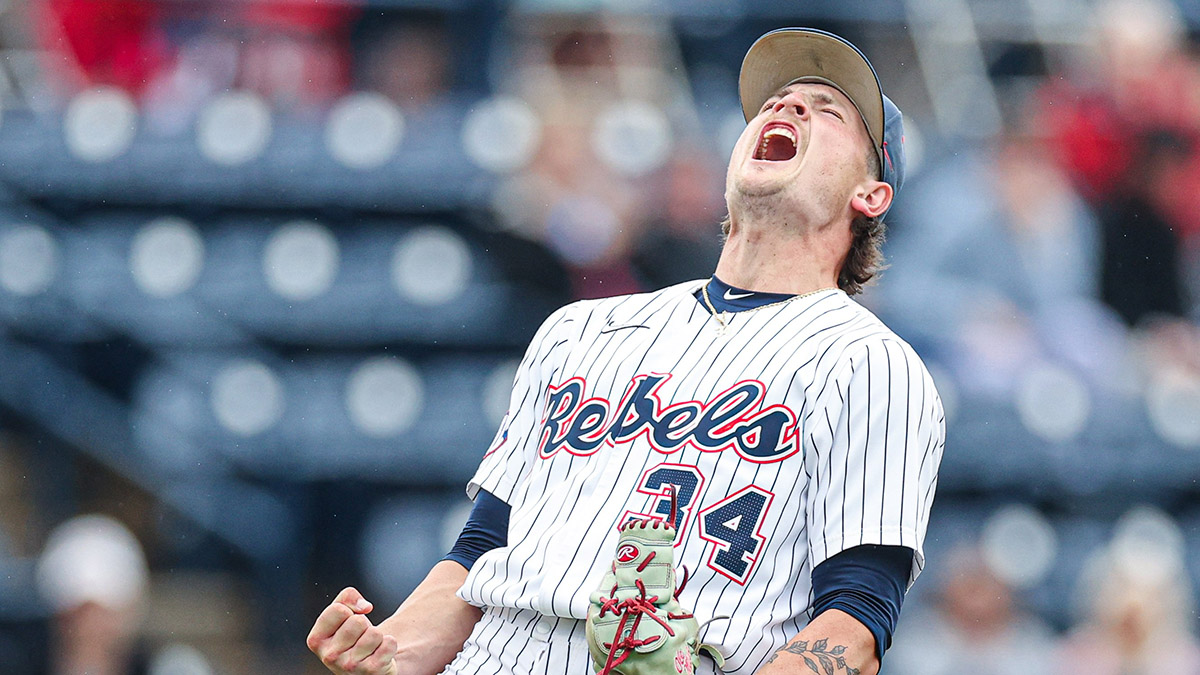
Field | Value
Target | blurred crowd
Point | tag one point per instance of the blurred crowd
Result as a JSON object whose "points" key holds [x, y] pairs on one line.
{"points": [[1133, 611], [1064, 244], [612, 190], [1069, 235]]}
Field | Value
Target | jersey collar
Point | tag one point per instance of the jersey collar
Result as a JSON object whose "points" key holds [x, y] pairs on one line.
{"points": [[726, 298]]}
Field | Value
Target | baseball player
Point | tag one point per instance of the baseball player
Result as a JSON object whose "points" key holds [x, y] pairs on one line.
{"points": [[798, 437]]}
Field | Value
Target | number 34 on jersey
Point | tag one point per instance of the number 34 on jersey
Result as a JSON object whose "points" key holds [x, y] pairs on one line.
{"points": [[732, 526]]}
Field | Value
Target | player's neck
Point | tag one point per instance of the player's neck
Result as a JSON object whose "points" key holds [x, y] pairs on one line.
{"points": [[769, 260]]}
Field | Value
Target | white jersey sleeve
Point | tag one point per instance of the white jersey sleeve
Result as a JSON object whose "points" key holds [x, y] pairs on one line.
{"points": [[875, 453], [510, 454]]}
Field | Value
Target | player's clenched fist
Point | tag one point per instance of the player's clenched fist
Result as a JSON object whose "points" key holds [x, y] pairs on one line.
{"points": [[347, 642]]}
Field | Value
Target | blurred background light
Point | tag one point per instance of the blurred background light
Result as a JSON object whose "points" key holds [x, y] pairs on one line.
{"points": [[1148, 545], [1173, 404], [301, 260], [384, 396], [93, 559], [28, 260], [247, 397], [179, 659], [166, 257], [501, 134], [431, 265], [234, 128], [1019, 545], [1053, 402], [100, 124], [364, 130], [633, 137]]}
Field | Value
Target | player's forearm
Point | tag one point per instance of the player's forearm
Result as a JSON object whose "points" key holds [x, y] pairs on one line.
{"points": [[834, 642], [432, 624]]}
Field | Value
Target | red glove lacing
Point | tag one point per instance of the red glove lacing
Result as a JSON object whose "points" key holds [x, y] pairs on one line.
{"points": [[637, 607]]}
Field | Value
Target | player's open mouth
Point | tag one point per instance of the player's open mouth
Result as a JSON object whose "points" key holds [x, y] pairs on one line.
{"points": [[777, 143]]}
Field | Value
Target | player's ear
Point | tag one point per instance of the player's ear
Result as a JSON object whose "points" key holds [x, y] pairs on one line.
{"points": [[872, 198]]}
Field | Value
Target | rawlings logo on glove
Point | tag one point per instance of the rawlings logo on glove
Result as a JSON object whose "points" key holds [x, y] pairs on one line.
{"points": [[635, 625]]}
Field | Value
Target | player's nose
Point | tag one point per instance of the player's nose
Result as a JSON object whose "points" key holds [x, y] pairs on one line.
{"points": [[794, 100]]}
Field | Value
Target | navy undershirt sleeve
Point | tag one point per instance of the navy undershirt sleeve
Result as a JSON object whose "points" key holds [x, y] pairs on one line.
{"points": [[486, 529], [868, 583]]}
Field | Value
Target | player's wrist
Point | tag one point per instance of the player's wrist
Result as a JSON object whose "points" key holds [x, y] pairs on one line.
{"points": [[401, 667], [403, 662], [417, 661]]}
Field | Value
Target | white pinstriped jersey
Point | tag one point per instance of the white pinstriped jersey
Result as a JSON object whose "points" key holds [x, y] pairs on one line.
{"points": [[805, 428]]}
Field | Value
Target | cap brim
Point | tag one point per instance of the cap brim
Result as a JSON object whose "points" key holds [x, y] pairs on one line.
{"points": [[790, 54]]}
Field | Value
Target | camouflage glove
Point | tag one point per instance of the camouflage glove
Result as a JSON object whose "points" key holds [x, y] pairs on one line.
{"points": [[635, 624]]}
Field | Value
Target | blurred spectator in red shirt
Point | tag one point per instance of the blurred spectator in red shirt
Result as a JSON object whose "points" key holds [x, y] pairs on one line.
{"points": [[103, 42], [296, 52], [1126, 125], [1138, 79]]}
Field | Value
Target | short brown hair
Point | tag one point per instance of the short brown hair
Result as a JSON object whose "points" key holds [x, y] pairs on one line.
{"points": [[865, 258]]}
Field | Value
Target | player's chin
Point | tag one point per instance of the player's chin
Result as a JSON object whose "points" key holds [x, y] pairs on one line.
{"points": [[757, 182]]}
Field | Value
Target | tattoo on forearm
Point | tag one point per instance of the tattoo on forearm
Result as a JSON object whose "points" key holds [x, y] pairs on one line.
{"points": [[830, 659]]}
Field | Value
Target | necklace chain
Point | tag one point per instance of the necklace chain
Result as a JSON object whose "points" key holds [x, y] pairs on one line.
{"points": [[720, 316]]}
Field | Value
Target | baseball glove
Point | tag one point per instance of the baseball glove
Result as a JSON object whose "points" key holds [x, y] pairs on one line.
{"points": [[635, 624]]}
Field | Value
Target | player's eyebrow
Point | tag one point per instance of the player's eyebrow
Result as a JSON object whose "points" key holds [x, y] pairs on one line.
{"points": [[824, 98]]}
